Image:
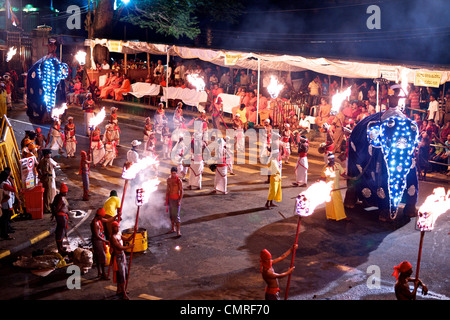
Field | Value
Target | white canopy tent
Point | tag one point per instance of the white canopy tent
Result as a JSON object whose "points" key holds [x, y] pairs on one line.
{"points": [[432, 77]]}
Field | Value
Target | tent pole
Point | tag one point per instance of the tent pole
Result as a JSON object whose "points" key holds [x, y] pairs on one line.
{"points": [[167, 75], [257, 103], [148, 65]]}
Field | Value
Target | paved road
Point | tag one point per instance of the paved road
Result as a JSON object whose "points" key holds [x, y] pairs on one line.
{"points": [[217, 257]]}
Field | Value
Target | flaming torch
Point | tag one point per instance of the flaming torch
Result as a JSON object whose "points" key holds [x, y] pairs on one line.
{"points": [[404, 89], [196, 81], [435, 205], [338, 98], [11, 53], [81, 57], [305, 204], [59, 111], [93, 123], [274, 88], [131, 170]]}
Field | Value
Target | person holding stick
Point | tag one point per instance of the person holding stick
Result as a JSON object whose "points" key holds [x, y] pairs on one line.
{"points": [[174, 194], [99, 243], [270, 276], [84, 172], [402, 273], [119, 259]]}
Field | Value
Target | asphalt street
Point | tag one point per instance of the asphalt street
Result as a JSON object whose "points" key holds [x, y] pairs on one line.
{"points": [[217, 256]]}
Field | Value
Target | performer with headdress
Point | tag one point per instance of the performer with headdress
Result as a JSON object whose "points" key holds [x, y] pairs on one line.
{"points": [[71, 141], [402, 273], [269, 275]]}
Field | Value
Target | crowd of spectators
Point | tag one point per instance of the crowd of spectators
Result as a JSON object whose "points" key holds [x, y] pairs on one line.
{"points": [[311, 93]]}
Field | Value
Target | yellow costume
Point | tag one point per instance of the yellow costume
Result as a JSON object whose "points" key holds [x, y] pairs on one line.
{"points": [[275, 182], [335, 208]]}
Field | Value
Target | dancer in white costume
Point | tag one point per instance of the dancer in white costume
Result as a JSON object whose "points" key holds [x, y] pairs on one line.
{"points": [[301, 169]]}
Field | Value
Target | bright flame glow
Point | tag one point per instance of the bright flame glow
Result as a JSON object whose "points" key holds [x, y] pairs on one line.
{"points": [[404, 92], [81, 57], [97, 119], [311, 198], [196, 81], [58, 112], [274, 88], [137, 167], [149, 187], [338, 98], [435, 204], [11, 52]]}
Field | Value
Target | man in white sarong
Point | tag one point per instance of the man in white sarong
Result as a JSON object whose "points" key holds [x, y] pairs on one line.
{"points": [[301, 169], [97, 147], [110, 145], [196, 167], [71, 141], [229, 148], [56, 137], [220, 178], [179, 156]]}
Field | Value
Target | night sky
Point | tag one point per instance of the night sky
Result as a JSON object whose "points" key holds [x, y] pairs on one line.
{"points": [[412, 31]]}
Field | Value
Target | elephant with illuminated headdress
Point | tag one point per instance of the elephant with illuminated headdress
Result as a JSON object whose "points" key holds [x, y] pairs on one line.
{"points": [[45, 84], [381, 162]]}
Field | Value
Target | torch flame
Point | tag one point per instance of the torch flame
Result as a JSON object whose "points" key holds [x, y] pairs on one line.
{"points": [[404, 91], [149, 187], [311, 198], [97, 119], [11, 53], [338, 98], [81, 57], [57, 112], [196, 81], [435, 204], [137, 167], [274, 88]]}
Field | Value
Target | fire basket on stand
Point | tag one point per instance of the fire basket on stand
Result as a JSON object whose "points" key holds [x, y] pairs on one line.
{"points": [[435, 205], [305, 204], [274, 88]]}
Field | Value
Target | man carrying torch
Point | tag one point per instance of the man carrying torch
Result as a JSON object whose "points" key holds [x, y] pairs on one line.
{"points": [[270, 276], [119, 259], [402, 273]]}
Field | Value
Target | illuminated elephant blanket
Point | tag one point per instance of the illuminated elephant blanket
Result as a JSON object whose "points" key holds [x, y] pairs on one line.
{"points": [[381, 163]]}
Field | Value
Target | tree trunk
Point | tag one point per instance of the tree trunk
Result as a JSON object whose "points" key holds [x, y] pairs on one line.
{"points": [[103, 18]]}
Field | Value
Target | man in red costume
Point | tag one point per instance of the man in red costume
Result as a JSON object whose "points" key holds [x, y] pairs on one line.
{"points": [[270, 276], [402, 273]]}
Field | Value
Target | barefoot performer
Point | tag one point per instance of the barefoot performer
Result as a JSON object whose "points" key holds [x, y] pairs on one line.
{"points": [[270, 276]]}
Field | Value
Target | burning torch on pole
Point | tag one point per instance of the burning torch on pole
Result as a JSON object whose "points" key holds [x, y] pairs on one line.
{"points": [[94, 122], [274, 88], [435, 205], [305, 204]]}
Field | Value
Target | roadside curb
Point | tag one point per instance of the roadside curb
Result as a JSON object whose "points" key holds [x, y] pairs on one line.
{"points": [[27, 243]]}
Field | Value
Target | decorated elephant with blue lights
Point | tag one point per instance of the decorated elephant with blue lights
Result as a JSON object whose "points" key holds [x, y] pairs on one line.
{"points": [[45, 85], [382, 165]]}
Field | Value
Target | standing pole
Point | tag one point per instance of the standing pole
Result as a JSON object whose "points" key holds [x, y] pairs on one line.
{"points": [[119, 214], [257, 104], [293, 256], [419, 257], [139, 203], [132, 248]]}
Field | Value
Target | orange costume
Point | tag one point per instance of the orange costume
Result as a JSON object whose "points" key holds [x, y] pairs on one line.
{"points": [[126, 87], [109, 89]]}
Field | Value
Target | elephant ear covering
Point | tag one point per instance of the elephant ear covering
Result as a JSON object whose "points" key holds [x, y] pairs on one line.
{"points": [[381, 158]]}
